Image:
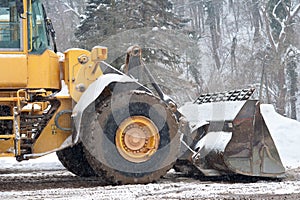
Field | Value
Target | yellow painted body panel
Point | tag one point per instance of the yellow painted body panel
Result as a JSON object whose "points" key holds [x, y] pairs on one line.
{"points": [[52, 137], [78, 76], [71, 65], [32, 71], [44, 71], [14, 71], [7, 148]]}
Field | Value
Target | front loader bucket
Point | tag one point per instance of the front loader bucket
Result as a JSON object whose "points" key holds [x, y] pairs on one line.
{"points": [[234, 140], [251, 150]]}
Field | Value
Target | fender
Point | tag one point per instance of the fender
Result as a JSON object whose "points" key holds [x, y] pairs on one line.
{"points": [[91, 94]]}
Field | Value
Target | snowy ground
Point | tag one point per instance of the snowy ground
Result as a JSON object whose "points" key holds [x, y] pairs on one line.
{"points": [[46, 178]]}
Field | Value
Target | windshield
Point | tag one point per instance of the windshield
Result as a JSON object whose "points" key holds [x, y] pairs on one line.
{"points": [[37, 30], [10, 26]]}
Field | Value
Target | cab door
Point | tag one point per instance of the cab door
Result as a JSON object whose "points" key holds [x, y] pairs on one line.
{"points": [[13, 59]]}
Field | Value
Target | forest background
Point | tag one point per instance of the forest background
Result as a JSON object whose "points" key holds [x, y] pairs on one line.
{"points": [[195, 46]]}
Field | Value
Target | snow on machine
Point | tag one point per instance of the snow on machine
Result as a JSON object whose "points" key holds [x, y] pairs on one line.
{"points": [[110, 125]]}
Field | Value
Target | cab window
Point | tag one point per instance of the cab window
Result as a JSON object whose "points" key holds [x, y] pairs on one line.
{"points": [[38, 41], [10, 26]]}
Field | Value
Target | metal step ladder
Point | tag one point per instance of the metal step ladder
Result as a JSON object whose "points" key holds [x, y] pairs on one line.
{"points": [[10, 141]]}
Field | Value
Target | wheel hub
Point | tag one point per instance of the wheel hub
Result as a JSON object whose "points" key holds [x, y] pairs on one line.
{"points": [[137, 139]]}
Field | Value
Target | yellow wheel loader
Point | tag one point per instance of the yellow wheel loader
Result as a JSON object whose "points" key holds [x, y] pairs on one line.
{"points": [[108, 124]]}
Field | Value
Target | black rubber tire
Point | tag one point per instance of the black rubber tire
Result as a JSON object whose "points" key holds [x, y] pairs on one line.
{"points": [[74, 160], [101, 150]]}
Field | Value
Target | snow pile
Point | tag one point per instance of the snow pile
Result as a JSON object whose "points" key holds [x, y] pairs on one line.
{"points": [[48, 162], [286, 135]]}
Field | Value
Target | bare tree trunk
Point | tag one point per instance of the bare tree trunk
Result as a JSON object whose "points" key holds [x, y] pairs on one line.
{"points": [[267, 89], [196, 17], [202, 15], [217, 10], [293, 88], [292, 77], [232, 53], [282, 90], [214, 33], [262, 81], [199, 10], [235, 14], [256, 19]]}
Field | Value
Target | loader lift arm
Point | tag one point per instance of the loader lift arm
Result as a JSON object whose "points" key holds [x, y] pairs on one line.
{"points": [[133, 61]]}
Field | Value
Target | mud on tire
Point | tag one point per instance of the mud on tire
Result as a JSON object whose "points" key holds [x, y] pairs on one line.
{"points": [[74, 160], [100, 140]]}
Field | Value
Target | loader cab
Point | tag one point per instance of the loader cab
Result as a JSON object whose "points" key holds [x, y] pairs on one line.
{"points": [[26, 58], [12, 26]]}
